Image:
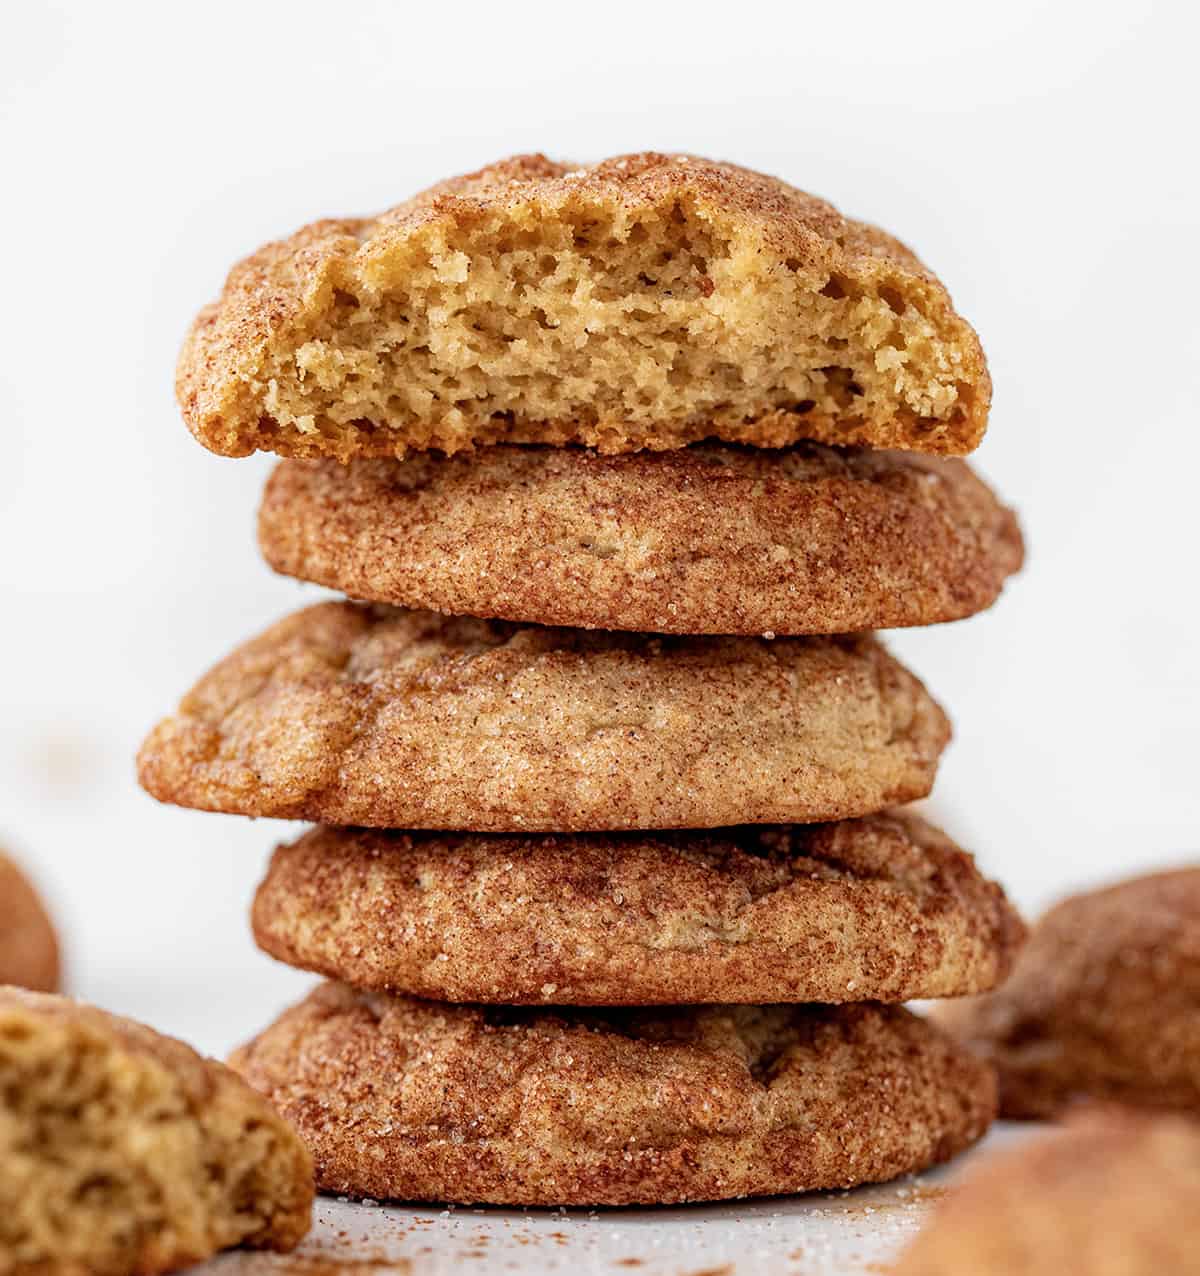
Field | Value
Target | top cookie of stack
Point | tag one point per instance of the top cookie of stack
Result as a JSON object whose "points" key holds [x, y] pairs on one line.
{"points": [[645, 303], [648, 301]]}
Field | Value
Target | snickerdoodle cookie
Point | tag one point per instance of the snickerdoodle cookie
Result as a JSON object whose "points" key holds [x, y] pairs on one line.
{"points": [[1114, 1194], [709, 539], [371, 715], [420, 1100], [884, 908], [29, 956], [123, 1151], [1104, 1002], [648, 301]]}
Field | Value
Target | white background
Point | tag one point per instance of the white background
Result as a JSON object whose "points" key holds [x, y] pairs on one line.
{"points": [[1041, 157]]}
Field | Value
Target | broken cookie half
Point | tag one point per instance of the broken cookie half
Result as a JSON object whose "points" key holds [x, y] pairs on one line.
{"points": [[645, 302], [123, 1151]]}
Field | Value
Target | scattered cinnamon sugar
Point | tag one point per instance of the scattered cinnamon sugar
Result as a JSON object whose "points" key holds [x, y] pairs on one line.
{"points": [[326, 1263], [906, 1196]]}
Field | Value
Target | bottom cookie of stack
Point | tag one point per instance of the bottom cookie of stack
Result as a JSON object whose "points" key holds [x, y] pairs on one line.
{"points": [[415, 1100], [430, 1068]]}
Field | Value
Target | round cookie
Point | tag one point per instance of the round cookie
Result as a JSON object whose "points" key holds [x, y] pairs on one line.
{"points": [[29, 956], [370, 715], [884, 908], [710, 539], [645, 302], [1102, 1003], [124, 1151], [412, 1100], [1111, 1195]]}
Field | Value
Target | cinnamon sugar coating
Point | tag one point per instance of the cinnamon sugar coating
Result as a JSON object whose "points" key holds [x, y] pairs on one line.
{"points": [[369, 715], [1102, 1003], [415, 1100], [884, 908], [708, 539], [649, 301], [29, 955]]}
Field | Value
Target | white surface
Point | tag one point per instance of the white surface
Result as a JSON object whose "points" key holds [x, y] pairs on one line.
{"points": [[822, 1234]]}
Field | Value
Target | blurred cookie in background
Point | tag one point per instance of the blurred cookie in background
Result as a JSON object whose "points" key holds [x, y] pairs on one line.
{"points": [[1113, 1194], [1103, 1003], [29, 952]]}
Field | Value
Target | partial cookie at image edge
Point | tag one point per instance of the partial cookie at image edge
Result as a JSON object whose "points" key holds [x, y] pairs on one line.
{"points": [[124, 1150], [30, 955], [1101, 1004], [1112, 1191]]}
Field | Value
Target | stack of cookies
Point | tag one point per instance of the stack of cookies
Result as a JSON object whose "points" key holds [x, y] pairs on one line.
{"points": [[622, 464]]}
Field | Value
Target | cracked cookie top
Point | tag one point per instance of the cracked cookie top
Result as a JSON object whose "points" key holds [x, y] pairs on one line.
{"points": [[883, 908], [707, 539], [426, 1101], [371, 715]]}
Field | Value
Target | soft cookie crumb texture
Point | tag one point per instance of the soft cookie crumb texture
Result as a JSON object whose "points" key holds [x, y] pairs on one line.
{"points": [[645, 302], [124, 1152]]}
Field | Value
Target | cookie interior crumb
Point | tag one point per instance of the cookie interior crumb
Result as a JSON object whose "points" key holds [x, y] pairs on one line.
{"points": [[644, 302], [112, 1162]]}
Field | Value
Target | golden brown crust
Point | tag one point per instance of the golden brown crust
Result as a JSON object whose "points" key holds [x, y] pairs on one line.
{"points": [[711, 539], [124, 1151], [885, 908], [1101, 1004], [427, 1101], [29, 956], [282, 309], [369, 715], [1113, 1195]]}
